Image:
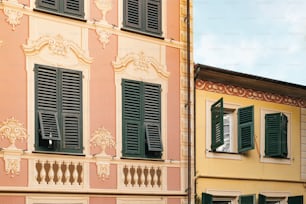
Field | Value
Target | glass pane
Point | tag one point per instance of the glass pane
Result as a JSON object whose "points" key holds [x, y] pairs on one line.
{"points": [[227, 128]]}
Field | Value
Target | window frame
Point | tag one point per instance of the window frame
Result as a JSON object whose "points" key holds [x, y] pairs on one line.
{"points": [[279, 160], [61, 9], [141, 27], [57, 145]]}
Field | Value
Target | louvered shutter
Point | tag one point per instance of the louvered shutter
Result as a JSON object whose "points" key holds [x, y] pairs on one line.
{"points": [[52, 5], [71, 100], [133, 13], [217, 133], [247, 199], [131, 118], [276, 135], [153, 16], [152, 115], [296, 200], [207, 198], [245, 129], [46, 103], [74, 7], [262, 199]]}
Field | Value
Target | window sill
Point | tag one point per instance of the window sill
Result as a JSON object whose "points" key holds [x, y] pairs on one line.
{"points": [[58, 153], [276, 160], [60, 14], [144, 159], [142, 33], [223, 155]]}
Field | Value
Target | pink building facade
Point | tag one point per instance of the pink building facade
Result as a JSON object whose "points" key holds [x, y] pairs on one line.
{"points": [[93, 98]]}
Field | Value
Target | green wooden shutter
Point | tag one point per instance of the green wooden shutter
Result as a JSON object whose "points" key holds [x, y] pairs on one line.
{"points": [[71, 100], [207, 198], [247, 199], [153, 16], [245, 129], [152, 115], [131, 118], [51, 5], [276, 135], [133, 13], [296, 200], [262, 199], [217, 132], [46, 106], [74, 7]]}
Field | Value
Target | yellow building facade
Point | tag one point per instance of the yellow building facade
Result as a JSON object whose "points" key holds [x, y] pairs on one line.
{"points": [[243, 155]]}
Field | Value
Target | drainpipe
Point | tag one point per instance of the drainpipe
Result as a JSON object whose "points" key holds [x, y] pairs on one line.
{"points": [[188, 103]]}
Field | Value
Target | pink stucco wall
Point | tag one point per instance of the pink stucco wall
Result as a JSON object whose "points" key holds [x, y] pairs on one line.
{"points": [[99, 200], [173, 19], [173, 178], [108, 183], [174, 201], [12, 199]]}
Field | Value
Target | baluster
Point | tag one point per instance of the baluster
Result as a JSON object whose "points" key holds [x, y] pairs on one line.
{"points": [[154, 177], [51, 173], [136, 177], [149, 178], [129, 177], [67, 174], [81, 174], [60, 173], [75, 174], [36, 162], [142, 177], [43, 173]]}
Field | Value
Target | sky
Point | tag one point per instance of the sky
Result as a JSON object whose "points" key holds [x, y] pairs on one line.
{"points": [[266, 38]]}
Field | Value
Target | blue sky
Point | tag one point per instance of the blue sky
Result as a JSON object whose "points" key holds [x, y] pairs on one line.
{"points": [[260, 37]]}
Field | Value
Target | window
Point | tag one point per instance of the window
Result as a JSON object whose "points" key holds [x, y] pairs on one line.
{"points": [[222, 128], [212, 199], [276, 128], [58, 110], [141, 116], [142, 16], [69, 8], [262, 199]]}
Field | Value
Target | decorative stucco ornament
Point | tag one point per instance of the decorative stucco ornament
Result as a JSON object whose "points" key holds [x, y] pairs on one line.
{"points": [[13, 16], [104, 6], [103, 37]]}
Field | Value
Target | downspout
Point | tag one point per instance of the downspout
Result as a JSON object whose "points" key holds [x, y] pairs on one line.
{"points": [[188, 104]]}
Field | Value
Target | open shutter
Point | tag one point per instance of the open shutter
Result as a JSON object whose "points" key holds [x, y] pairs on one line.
{"points": [[262, 199], [74, 7], [245, 129], [153, 16], [133, 13], [207, 198], [72, 110], [131, 118], [276, 135], [296, 200], [51, 5], [247, 199], [46, 87], [217, 134], [152, 115]]}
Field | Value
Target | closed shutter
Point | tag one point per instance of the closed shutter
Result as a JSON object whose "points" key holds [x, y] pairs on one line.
{"points": [[276, 135], [217, 134], [296, 200], [74, 7], [153, 16], [207, 198], [152, 114], [247, 199], [245, 129], [131, 118], [52, 5], [71, 110], [46, 88], [262, 199], [133, 13]]}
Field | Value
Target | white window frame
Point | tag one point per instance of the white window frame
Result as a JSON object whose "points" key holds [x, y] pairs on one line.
{"points": [[229, 108], [263, 158], [225, 195], [56, 200], [281, 197]]}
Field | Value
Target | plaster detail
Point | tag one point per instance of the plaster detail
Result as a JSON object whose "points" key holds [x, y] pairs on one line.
{"points": [[13, 16], [249, 93], [57, 45], [104, 6], [103, 168], [103, 37], [12, 161], [141, 62], [12, 130]]}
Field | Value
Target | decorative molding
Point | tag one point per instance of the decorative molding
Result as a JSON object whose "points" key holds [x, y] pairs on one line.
{"points": [[57, 45], [249, 93], [104, 6], [103, 37], [12, 130], [141, 62], [12, 160], [103, 168], [13, 16]]}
